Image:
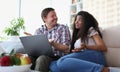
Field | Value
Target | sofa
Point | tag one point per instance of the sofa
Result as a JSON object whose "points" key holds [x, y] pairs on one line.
{"points": [[1, 50], [111, 38]]}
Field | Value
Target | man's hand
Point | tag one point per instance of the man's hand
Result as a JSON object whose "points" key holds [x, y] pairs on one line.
{"points": [[51, 41], [79, 49], [26, 33], [58, 46]]}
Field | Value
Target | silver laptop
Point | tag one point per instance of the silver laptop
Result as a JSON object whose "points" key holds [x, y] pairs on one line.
{"points": [[37, 45]]}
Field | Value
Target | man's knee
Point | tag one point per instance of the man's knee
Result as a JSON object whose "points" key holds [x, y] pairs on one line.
{"points": [[42, 63], [41, 58]]}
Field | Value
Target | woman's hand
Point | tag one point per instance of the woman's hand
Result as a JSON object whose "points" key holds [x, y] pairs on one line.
{"points": [[83, 46]]}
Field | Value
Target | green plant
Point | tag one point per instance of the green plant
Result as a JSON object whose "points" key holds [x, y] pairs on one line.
{"points": [[16, 25]]}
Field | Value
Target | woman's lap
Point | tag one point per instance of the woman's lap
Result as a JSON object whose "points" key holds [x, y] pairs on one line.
{"points": [[77, 65], [90, 57]]}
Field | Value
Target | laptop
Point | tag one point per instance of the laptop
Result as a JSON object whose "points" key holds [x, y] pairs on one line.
{"points": [[37, 45]]}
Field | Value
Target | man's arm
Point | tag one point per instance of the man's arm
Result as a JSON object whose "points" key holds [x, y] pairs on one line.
{"points": [[60, 47], [65, 40]]}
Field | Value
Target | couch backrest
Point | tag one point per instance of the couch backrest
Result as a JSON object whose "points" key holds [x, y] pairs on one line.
{"points": [[111, 37]]}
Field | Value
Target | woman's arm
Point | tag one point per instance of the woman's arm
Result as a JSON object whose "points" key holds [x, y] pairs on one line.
{"points": [[100, 45]]}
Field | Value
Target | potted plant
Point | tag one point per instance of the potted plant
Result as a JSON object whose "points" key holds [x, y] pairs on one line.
{"points": [[16, 25]]}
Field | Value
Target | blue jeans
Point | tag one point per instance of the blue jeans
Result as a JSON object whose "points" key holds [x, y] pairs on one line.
{"points": [[83, 61]]}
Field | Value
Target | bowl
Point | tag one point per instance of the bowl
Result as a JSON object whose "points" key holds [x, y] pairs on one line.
{"points": [[15, 68]]}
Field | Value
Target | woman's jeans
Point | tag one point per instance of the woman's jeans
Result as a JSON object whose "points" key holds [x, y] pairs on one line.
{"points": [[83, 61]]}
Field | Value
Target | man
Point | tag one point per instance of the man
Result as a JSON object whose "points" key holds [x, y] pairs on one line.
{"points": [[58, 35]]}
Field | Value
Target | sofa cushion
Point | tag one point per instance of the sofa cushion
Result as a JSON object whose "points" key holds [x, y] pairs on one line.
{"points": [[1, 50], [113, 57], [111, 37], [9, 45]]}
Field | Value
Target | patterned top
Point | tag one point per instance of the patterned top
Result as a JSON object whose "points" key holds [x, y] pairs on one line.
{"points": [[60, 33]]}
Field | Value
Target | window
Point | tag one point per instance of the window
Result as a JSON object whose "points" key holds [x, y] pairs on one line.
{"points": [[9, 10], [30, 10]]}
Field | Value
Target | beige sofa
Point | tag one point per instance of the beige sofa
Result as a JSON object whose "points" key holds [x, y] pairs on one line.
{"points": [[1, 50], [111, 38]]}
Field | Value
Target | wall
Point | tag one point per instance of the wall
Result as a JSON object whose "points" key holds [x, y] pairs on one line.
{"points": [[107, 12]]}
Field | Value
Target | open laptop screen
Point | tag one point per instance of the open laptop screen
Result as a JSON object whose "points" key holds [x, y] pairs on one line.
{"points": [[37, 45]]}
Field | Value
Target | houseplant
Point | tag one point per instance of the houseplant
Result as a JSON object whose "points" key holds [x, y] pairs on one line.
{"points": [[13, 32], [16, 25]]}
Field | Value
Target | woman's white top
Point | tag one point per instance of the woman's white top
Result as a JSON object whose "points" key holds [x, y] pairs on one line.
{"points": [[91, 32]]}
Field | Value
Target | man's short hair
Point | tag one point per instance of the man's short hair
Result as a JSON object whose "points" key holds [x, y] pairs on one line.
{"points": [[45, 12]]}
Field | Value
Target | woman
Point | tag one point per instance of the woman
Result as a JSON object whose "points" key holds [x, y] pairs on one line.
{"points": [[87, 48]]}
